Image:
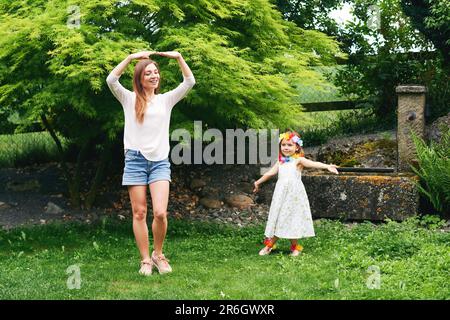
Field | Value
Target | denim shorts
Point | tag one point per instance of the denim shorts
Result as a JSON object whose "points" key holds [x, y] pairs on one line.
{"points": [[140, 171]]}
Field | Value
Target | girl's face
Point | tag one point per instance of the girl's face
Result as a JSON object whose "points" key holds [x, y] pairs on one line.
{"points": [[288, 148], [150, 78]]}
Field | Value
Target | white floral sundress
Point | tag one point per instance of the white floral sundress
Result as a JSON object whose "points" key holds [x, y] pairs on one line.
{"points": [[289, 214]]}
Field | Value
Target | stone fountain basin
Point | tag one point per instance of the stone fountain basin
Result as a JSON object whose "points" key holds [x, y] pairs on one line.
{"points": [[362, 196]]}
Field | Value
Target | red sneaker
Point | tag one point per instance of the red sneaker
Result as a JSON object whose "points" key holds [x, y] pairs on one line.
{"points": [[268, 248], [296, 250]]}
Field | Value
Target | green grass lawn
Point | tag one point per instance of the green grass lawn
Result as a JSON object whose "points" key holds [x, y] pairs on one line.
{"points": [[211, 261]]}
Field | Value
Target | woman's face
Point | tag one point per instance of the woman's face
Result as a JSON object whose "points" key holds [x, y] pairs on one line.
{"points": [[150, 78], [288, 147]]}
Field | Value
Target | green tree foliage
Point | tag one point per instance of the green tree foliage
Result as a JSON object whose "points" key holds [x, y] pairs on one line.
{"points": [[398, 50], [431, 18], [387, 53], [247, 60], [312, 14], [232, 46]]}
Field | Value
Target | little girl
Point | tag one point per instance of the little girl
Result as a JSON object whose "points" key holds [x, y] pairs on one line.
{"points": [[290, 214]]}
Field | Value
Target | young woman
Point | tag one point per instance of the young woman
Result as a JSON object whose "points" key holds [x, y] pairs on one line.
{"points": [[146, 144]]}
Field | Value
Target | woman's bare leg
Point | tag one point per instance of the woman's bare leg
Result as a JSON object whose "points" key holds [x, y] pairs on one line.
{"points": [[138, 200], [159, 191]]}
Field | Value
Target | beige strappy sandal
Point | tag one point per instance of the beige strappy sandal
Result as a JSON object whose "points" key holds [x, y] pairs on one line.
{"points": [[146, 268]]}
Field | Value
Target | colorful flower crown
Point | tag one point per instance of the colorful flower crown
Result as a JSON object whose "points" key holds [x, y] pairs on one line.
{"points": [[294, 138], [291, 136]]}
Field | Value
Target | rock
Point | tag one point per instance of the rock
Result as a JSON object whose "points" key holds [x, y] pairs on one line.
{"points": [[209, 192], [211, 203], [373, 161], [435, 131], [28, 185], [365, 196], [371, 152], [245, 187], [197, 183], [52, 208], [239, 201], [4, 205]]}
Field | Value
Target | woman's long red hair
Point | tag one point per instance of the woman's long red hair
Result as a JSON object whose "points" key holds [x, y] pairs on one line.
{"points": [[141, 97]]}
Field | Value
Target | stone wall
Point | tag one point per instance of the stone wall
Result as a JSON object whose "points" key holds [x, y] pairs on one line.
{"points": [[354, 196]]}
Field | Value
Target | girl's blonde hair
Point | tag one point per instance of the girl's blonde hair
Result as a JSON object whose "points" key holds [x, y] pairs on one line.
{"points": [[299, 152], [141, 97]]}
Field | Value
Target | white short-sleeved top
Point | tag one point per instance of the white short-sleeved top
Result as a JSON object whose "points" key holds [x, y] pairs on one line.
{"points": [[151, 137]]}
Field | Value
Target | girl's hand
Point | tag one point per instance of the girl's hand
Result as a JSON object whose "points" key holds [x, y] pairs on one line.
{"points": [[170, 54], [141, 55], [332, 168], [256, 189]]}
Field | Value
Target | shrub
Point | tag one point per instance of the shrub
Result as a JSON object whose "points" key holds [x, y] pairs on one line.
{"points": [[434, 171]]}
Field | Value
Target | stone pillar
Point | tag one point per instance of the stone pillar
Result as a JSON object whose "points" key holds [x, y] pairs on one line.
{"points": [[411, 117]]}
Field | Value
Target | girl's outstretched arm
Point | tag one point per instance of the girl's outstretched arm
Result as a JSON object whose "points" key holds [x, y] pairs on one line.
{"points": [[266, 176], [317, 165]]}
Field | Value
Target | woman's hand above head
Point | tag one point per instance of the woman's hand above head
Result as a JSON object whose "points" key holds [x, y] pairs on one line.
{"points": [[141, 55], [170, 54], [185, 70]]}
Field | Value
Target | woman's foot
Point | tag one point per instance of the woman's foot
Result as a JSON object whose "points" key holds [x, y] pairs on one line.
{"points": [[146, 267], [161, 263], [268, 248], [296, 249]]}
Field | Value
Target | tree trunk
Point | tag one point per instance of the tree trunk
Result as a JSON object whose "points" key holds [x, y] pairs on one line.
{"points": [[104, 161], [77, 175], [74, 194]]}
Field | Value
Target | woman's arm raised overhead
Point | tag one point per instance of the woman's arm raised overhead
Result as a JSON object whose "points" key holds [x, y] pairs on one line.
{"points": [[179, 92]]}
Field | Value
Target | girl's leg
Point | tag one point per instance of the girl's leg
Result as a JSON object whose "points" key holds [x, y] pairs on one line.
{"points": [[269, 243], [295, 247], [160, 197], [139, 207], [274, 240]]}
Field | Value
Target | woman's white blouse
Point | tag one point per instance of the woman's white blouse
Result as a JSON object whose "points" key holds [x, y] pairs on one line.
{"points": [[151, 137]]}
